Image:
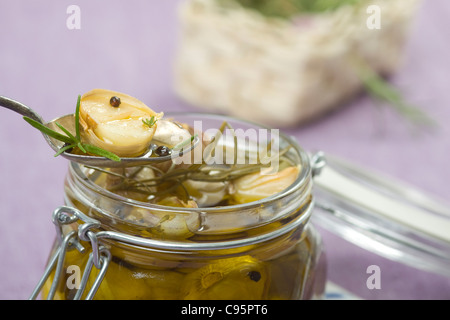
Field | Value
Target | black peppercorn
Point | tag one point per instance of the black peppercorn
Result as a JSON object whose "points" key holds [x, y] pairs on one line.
{"points": [[162, 151], [114, 101], [254, 275]]}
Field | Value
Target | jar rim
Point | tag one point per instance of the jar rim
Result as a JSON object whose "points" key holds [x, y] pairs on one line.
{"points": [[301, 180]]}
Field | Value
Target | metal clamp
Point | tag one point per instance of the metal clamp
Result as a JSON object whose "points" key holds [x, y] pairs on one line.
{"points": [[318, 162], [98, 257]]}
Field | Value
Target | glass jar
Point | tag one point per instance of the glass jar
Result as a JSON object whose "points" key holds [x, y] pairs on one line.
{"points": [[112, 247]]}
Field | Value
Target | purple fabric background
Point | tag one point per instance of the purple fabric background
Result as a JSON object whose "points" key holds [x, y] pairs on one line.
{"points": [[129, 47]]}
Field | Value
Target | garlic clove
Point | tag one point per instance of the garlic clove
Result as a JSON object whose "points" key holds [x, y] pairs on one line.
{"points": [[257, 186], [117, 127]]}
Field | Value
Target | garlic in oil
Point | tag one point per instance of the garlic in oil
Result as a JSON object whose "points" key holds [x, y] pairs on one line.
{"points": [[116, 122]]}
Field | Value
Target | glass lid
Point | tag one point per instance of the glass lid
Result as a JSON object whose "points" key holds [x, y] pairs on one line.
{"points": [[381, 215]]}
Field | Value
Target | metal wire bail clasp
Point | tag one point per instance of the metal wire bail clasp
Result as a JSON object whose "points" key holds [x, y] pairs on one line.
{"points": [[318, 162], [64, 218]]}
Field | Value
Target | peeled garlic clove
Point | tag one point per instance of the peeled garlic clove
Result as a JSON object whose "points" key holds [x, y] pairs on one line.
{"points": [[227, 279], [170, 133], [206, 194], [176, 225], [257, 186], [119, 128]]}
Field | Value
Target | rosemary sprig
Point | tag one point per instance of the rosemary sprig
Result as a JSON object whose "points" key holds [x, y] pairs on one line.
{"points": [[286, 9], [71, 141], [150, 122], [380, 89]]}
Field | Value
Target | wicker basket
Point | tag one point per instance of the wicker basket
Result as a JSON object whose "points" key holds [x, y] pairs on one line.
{"points": [[279, 72]]}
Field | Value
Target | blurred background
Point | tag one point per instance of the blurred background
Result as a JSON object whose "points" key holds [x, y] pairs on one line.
{"points": [[47, 59]]}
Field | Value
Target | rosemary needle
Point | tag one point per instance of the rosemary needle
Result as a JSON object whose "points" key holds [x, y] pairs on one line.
{"points": [[69, 139]]}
